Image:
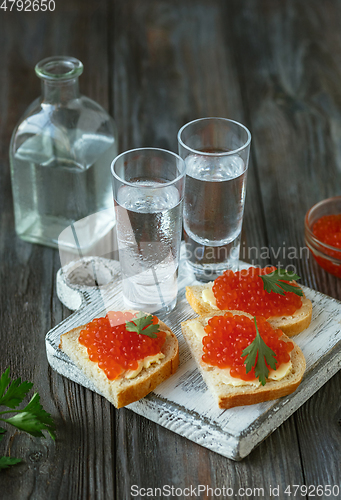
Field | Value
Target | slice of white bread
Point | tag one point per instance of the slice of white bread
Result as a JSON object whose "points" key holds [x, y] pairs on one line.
{"points": [[123, 391], [229, 396], [290, 325]]}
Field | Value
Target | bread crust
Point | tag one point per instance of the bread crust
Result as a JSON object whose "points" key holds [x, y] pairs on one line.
{"points": [[290, 325], [121, 392], [230, 396]]}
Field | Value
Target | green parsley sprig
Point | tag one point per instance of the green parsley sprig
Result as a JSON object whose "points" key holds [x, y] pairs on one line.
{"points": [[257, 355], [273, 282], [143, 325], [32, 419]]}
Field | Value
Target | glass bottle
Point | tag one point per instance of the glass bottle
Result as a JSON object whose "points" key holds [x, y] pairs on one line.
{"points": [[60, 157]]}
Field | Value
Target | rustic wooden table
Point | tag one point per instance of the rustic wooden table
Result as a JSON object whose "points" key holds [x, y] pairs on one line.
{"points": [[156, 64]]}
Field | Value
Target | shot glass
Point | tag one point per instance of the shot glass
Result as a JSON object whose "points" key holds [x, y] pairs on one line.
{"points": [[216, 153], [148, 187]]}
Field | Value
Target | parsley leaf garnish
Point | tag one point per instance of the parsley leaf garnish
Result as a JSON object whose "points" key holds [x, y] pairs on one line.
{"points": [[6, 462], [257, 354], [143, 324], [32, 419], [15, 392], [2, 432], [273, 282]]}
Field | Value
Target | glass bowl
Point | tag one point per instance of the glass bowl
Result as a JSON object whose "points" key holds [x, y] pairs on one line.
{"points": [[327, 256]]}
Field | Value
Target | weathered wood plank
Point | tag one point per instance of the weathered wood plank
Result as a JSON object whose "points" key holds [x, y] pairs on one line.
{"points": [[289, 74], [173, 62], [81, 463], [272, 65]]}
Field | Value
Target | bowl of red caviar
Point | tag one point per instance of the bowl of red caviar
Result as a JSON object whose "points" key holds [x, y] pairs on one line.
{"points": [[323, 234]]}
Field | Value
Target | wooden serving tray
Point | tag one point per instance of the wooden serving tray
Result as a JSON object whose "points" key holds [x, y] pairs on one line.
{"points": [[182, 403]]}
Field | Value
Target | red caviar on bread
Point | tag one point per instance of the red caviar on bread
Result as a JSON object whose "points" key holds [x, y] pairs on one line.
{"points": [[244, 291], [228, 336], [259, 292], [116, 349], [208, 338], [125, 355]]}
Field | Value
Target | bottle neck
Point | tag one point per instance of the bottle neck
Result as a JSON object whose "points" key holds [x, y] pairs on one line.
{"points": [[60, 92]]}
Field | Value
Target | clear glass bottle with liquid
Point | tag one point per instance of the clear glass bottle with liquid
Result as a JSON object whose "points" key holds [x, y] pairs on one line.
{"points": [[60, 156]]}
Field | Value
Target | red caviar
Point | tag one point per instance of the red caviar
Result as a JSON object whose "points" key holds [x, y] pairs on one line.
{"points": [[244, 291], [114, 348], [328, 230], [227, 337]]}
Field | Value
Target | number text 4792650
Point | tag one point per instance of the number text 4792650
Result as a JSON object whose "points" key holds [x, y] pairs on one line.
{"points": [[28, 5]]}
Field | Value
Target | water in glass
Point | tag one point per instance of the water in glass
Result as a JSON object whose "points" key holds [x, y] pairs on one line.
{"points": [[213, 211], [149, 232]]}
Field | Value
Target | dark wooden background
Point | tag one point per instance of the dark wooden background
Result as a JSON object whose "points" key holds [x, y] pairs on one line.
{"points": [[274, 65]]}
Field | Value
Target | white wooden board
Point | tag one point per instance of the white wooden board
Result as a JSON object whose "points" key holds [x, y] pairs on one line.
{"points": [[183, 403]]}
